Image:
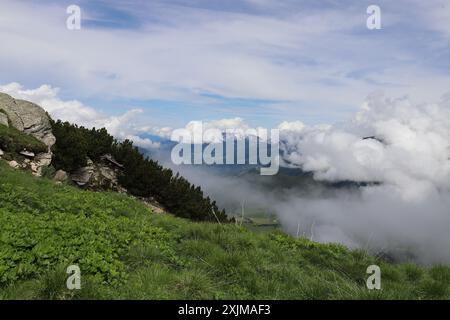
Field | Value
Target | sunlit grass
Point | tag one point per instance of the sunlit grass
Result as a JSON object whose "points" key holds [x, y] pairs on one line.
{"points": [[127, 252]]}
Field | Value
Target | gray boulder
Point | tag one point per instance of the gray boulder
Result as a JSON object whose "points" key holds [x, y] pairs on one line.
{"points": [[102, 175], [28, 118], [60, 176], [28, 154], [83, 175], [4, 119], [43, 159]]}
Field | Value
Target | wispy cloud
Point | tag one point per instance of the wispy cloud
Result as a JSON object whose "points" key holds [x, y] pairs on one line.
{"points": [[301, 53], [123, 126]]}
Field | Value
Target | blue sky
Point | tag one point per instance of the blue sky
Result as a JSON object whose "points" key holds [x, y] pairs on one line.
{"points": [[261, 60]]}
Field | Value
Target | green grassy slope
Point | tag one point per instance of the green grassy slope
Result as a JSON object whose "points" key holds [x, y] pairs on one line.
{"points": [[126, 252], [13, 140]]}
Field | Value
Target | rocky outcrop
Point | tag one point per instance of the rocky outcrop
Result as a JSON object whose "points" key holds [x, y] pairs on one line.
{"points": [[14, 164], [83, 175], [31, 119], [39, 162], [43, 159], [99, 176], [27, 154], [35, 164], [4, 119], [28, 118], [105, 177]]}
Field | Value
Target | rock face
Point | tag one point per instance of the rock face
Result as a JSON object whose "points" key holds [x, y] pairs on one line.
{"points": [[43, 159], [99, 176], [83, 175], [13, 164], [28, 154], [31, 119], [28, 118], [34, 163], [4, 119], [105, 177]]}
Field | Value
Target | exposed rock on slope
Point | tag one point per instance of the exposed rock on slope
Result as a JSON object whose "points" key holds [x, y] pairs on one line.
{"points": [[98, 176], [31, 119], [21, 119], [28, 118], [83, 175], [4, 119]]}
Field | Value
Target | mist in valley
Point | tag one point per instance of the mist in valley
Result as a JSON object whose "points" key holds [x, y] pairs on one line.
{"points": [[379, 182]]}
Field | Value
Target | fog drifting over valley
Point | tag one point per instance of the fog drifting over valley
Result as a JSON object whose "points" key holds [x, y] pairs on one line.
{"points": [[405, 212]]}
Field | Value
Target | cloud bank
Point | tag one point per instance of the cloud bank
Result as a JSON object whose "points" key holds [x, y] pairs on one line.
{"points": [[406, 146], [205, 52], [73, 111], [400, 151], [407, 154]]}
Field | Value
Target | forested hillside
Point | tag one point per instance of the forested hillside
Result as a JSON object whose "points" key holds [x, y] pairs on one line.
{"points": [[141, 176]]}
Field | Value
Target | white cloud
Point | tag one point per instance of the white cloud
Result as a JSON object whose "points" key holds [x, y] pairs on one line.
{"points": [[411, 149], [437, 15], [214, 131], [188, 51], [405, 215], [121, 127], [291, 126]]}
